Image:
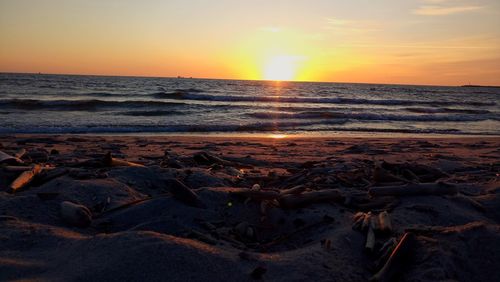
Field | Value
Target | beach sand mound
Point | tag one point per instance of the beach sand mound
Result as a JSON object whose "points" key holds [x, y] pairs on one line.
{"points": [[308, 219]]}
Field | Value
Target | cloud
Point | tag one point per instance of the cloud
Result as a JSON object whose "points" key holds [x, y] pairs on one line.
{"points": [[440, 10], [350, 26]]}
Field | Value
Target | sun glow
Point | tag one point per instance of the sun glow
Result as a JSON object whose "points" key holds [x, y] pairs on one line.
{"points": [[277, 136], [281, 68]]}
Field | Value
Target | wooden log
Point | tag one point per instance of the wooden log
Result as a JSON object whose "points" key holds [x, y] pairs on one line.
{"points": [[366, 222], [385, 222], [110, 161], [15, 168], [184, 194], [382, 175], [358, 215], [8, 159], [358, 222], [385, 252], [438, 188], [304, 199], [19, 154], [397, 260], [24, 179], [370, 239], [294, 190], [48, 175], [377, 203]]}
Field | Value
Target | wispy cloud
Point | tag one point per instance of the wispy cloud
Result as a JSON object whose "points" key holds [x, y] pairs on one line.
{"points": [[444, 7], [338, 24], [435, 10]]}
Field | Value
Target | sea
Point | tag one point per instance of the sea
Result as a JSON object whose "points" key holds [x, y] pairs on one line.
{"points": [[40, 103]]}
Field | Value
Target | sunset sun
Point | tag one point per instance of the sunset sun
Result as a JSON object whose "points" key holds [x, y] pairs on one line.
{"points": [[280, 68]]}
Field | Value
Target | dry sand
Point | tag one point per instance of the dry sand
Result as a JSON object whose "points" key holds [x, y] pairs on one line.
{"points": [[147, 227]]}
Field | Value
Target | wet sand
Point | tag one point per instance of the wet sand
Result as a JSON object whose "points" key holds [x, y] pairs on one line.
{"points": [[188, 209]]}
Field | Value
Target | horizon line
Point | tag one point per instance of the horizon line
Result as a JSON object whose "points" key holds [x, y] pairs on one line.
{"points": [[237, 79]]}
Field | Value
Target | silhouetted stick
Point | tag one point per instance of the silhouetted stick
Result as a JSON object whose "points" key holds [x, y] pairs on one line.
{"points": [[110, 161], [24, 179], [13, 168], [48, 175], [370, 239], [8, 159], [294, 190], [184, 194], [439, 188], [397, 259], [304, 199], [19, 154]]}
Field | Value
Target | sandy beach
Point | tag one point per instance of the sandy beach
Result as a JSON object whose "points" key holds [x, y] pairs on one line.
{"points": [[194, 208]]}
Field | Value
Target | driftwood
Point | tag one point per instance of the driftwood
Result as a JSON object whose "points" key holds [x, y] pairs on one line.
{"points": [[370, 239], [397, 259], [438, 188], [385, 252], [358, 222], [385, 222], [205, 158], [110, 161], [381, 175], [48, 175], [304, 199], [294, 190], [378, 203], [291, 181], [19, 154], [430, 230], [291, 198], [184, 194], [8, 159], [366, 222], [24, 179], [14, 168]]}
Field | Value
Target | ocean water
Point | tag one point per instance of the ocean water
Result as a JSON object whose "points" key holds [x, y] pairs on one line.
{"points": [[38, 103]]}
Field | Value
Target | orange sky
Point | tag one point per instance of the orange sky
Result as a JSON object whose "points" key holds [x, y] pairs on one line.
{"points": [[446, 42]]}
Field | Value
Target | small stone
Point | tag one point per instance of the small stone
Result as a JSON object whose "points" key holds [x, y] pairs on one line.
{"points": [[75, 214]]}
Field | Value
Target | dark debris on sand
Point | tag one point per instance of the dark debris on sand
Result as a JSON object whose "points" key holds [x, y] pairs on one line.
{"points": [[77, 209]]}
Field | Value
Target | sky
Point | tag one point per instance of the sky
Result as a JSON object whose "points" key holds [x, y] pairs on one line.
{"points": [[432, 42]]}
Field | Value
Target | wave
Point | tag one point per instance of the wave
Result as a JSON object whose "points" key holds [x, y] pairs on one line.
{"points": [[71, 105], [150, 113], [366, 116], [249, 127], [187, 95], [447, 110]]}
